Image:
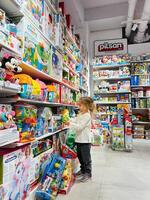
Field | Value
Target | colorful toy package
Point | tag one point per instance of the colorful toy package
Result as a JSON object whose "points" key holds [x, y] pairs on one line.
{"points": [[44, 116], [37, 50], [51, 180], [118, 142], [15, 166], [39, 159], [26, 119], [67, 178]]}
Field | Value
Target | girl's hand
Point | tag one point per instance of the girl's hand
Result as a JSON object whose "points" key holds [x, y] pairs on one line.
{"points": [[67, 123]]}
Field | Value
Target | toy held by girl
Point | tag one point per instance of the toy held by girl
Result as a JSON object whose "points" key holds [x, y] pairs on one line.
{"points": [[83, 138]]}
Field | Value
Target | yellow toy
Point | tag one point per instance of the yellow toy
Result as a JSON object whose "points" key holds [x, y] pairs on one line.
{"points": [[36, 89], [26, 85]]}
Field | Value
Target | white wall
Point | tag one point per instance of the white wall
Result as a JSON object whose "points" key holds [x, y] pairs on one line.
{"points": [[103, 35], [137, 49]]}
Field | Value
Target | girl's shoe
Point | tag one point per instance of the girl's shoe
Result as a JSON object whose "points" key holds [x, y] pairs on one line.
{"points": [[79, 173], [79, 177], [85, 178]]}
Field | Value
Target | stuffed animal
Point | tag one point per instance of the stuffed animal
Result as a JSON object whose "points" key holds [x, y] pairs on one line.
{"points": [[10, 64]]}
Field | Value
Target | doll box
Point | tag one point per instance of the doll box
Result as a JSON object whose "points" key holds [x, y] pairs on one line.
{"points": [[8, 136], [14, 169]]}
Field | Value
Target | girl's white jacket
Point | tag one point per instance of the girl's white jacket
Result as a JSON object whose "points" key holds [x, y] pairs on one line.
{"points": [[82, 126]]}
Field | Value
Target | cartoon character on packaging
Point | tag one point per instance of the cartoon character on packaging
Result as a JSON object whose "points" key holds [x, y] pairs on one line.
{"points": [[114, 59], [6, 117], [10, 64], [16, 188], [65, 115]]}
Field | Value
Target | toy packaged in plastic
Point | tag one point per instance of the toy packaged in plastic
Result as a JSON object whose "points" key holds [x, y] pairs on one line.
{"points": [[15, 180], [118, 142], [26, 119], [51, 180], [67, 178]]}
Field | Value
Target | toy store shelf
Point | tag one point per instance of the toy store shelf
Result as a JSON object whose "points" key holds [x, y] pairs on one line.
{"points": [[10, 49], [72, 39], [51, 6], [103, 67], [69, 53], [140, 97], [32, 101], [141, 122], [19, 144], [52, 133], [8, 90], [71, 87], [140, 109], [29, 69], [140, 61], [111, 103], [11, 7], [112, 93], [139, 86], [71, 70], [147, 74], [84, 76], [83, 89], [112, 79], [104, 113]]}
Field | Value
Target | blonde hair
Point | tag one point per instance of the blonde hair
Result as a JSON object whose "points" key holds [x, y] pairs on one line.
{"points": [[88, 102]]}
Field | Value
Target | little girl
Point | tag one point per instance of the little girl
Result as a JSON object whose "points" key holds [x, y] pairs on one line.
{"points": [[82, 127]]}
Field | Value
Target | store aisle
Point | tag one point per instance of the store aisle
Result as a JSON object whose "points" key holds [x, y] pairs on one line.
{"points": [[116, 175]]}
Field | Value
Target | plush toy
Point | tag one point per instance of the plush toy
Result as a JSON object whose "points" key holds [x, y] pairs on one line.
{"points": [[10, 64], [26, 85]]}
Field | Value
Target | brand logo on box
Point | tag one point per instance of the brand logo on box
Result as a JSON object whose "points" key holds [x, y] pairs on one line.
{"points": [[106, 46]]}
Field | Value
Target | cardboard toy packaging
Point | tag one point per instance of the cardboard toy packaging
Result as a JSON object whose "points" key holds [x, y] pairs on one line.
{"points": [[14, 171]]}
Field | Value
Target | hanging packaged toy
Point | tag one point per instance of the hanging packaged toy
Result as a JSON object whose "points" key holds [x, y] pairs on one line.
{"points": [[44, 116]]}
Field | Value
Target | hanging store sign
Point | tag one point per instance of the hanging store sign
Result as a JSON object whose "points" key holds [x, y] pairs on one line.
{"points": [[109, 47]]}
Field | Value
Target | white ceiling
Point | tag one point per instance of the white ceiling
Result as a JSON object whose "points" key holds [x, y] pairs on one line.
{"points": [[106, 24], [98, 3]]}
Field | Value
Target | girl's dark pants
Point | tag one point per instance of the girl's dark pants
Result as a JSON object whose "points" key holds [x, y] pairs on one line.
{"points": [[84, 156]]}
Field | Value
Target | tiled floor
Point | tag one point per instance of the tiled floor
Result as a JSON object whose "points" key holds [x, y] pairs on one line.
{"points": [[116, 175]]}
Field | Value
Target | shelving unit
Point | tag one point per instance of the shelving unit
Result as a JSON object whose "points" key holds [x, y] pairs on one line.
{"points": [[112, 95], [44, 62], [140, 80]]}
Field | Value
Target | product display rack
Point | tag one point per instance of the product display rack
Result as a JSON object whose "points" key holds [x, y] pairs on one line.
{"points": [[112, 95], [140, 86], [43, 61]]}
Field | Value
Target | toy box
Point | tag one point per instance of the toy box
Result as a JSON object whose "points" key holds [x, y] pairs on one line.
{"points": [[54, 92], [36, 49], [14, 176], [56, 65], [26, 119], [51, 180], [38, 162], [44, 116], [118, 137], [55, 123], [67, 178]]}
